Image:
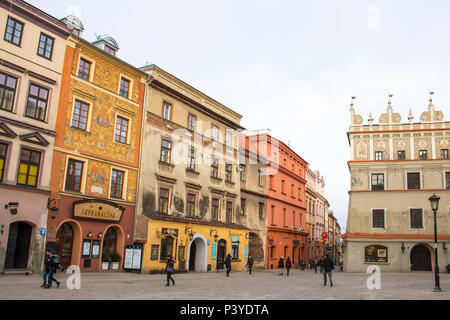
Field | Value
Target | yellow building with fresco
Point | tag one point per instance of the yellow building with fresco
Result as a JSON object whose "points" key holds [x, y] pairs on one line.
{"points": [[189, 204]]}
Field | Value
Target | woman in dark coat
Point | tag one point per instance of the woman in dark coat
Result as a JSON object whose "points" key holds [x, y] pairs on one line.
{"points": [[250, 264], [170, 270], [228, 264], [281, 265]]}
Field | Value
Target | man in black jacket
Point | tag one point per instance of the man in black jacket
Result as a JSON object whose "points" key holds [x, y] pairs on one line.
{"points": [[327, 270], [53, 264]]}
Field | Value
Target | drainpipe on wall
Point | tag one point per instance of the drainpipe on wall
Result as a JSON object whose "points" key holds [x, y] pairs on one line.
{"points": [[144, 112]]}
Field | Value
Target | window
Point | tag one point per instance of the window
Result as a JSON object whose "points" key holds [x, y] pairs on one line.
{"points": [[243, 205], [378, 218], [29, 168], [282, 186], [14, 31], [447, 180], [110, 50], [444, 154], [293, 168], [45, 48], [80, 115], [166, 248], [229, 216], [74, 174], [401, 155], [271, 182], [155, 250], [163, 201], [242, 172], [413, 180], [376, 254], [3, 150], [377, 181], [121, 131], [214, 168], [8, 87], [293, 218], [272, 215], [166, 148], [228, 138], [215, 209], [37, 102], [166, 111], [235, 251], [300, 194], [124, 88], [260, 179], [423, 154], [292, 190], [117, 179], [378, 155], [284, 217], [190, 205], [214, 133], [84, 69], [191, 122], [261, 210], [416, 218], [228, 172], [191, 159], [272, 252]]}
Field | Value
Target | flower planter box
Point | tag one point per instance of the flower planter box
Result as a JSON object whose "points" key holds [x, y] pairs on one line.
{"points": [[114, 265], [105, 265]]}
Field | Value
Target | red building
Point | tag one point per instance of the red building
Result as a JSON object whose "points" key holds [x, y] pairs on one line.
{"points": [[286, 202]]}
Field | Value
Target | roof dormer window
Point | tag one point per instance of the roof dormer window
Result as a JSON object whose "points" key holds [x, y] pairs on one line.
{"points": [[110, 50]]}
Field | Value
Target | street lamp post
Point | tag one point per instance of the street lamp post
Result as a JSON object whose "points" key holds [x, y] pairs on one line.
{"points": [[434, 200]]}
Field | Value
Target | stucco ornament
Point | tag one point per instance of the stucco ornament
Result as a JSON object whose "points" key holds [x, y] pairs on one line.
{"points": [[401, 144], [361, 150], [444, 143], [422, 144]]}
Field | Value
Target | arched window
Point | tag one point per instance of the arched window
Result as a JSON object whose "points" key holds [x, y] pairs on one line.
{"points": [[109, 241], [376, 253], [166, 248]]}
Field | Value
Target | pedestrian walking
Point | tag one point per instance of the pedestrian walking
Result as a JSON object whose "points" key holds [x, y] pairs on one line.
{"points": [[228, 264], [316, 264], [311, 264], [288, 265], [303, 263], [321, 265], [250, 264], [281, 266], [327, 270], [46, 268], [170, 271], [53, 264]]}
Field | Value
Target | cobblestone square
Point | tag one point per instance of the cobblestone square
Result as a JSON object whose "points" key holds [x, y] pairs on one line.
{"points": [[261, 285]]}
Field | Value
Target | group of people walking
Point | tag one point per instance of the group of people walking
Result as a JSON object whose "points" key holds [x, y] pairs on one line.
{"points": [[325, 265]]}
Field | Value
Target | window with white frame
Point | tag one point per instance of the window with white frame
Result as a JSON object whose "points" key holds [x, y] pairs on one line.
{"points": [[416, 216], [166, 110], [378, 218]]}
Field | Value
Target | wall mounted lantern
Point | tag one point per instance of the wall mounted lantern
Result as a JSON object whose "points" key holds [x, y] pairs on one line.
{"points": [[216, 236], [100, 235], [191, 233], [53, 209], [89, 235], [444, 246]]}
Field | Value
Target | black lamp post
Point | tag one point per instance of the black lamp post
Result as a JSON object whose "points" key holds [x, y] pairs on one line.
{"points": [[434, 200]]}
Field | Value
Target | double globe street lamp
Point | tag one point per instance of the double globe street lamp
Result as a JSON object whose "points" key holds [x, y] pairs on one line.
{"points": [[434, 200]]}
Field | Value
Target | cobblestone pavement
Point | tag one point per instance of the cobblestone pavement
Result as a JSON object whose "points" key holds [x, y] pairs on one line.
{"points": [[261, 285]]}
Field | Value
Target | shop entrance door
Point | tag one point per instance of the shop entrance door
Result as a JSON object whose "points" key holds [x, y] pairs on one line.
{"points": [[18, 248], [221, 248], [420, 258], [64, 243]]}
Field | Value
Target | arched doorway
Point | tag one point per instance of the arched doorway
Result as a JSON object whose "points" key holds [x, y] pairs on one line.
{"points": [[18, 248], [421, 258], [221, 252], [110, 241], [64, 244], [198, 251]]}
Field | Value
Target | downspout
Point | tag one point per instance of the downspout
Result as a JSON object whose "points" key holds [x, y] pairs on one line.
{"points": [[144, 111]]}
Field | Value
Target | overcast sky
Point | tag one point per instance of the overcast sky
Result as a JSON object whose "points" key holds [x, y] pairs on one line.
{"points": [[289, 66]]}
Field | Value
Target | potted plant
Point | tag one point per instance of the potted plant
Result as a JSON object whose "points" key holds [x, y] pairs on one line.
{"points": [[115, 260], [106, 259]]}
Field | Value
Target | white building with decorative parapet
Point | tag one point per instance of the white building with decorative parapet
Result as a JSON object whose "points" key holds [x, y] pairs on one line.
{"points": [[395, 167]]}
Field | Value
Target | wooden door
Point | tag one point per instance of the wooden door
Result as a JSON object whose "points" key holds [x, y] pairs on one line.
{"points": [[192, 257], [222, 244], [18, 248], [64, 242], [420, 258]]}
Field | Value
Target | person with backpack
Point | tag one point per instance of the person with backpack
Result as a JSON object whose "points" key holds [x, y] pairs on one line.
{"points": [[281, 266], [288, 265], [228, 264], [321, 265], [46, 268], [250, 264], [53, 264], [170, 270], [327, 270]]}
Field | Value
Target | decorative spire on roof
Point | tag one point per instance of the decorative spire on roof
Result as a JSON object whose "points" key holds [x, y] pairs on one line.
{"points": [[411, 116], [356, 119], [432, 115], [390, 117], [370, 118]]}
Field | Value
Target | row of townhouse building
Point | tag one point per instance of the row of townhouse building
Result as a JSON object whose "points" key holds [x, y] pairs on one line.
{"points": [[109, 165]]}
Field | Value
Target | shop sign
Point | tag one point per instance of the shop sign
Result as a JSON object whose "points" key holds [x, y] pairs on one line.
{"points": [[42, 231], [214, 251], [98, 210], [172, 232], [246, 252], [235, 239]]}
